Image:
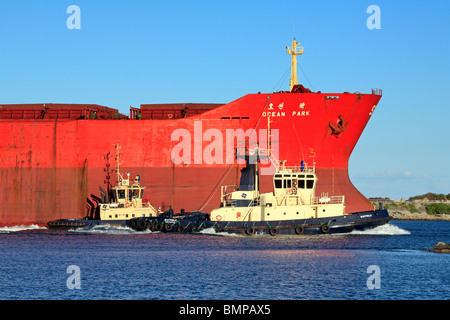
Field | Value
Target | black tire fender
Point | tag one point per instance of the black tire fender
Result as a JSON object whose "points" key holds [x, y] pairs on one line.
{"points": [[273, 231], [325, 228]]}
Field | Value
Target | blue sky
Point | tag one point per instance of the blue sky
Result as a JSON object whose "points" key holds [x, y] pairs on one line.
{"points": [[133, 52]]}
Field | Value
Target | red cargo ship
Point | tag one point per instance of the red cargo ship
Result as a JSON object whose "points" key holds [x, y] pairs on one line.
{"points": [[54, 157]]}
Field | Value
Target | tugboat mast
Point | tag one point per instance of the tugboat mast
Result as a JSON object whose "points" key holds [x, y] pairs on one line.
{"points": [[119, 176], [294, 51]]}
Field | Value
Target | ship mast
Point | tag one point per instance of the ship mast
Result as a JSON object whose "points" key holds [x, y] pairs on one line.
{"points": [[269, 137], [294, 51]]}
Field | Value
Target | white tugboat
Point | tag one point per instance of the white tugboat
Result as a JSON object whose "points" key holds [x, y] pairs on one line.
{"points": [[123, 203], [293, 198]]}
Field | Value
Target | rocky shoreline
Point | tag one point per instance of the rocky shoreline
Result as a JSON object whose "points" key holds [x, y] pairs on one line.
{"points": [[418, 216], [406, 210]]}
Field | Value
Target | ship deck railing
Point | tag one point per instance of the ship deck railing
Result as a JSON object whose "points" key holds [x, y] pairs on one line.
{"points": [[228, 202], [377, 91], [297, 169], [329, 200], [147, 204]]}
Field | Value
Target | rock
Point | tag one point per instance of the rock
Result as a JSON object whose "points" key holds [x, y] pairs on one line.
{"points": [[442, 247]]}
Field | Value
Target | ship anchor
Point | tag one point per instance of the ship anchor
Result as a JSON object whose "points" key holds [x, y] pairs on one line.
{"points": [[340, 127]]}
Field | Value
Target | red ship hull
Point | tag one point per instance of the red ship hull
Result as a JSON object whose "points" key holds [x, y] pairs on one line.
{"points": [[53, 168]]}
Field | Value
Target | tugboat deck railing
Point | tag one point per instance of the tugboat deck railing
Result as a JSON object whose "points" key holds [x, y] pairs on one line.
{"points": [[296, 169], [329, 200]]}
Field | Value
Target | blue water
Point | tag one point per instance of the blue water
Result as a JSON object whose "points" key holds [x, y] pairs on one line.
{"points": [[118, 263]]}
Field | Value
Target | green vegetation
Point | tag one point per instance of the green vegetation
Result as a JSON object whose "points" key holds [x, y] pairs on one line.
{"points": [[438, 208], [427, 204], [431, 196], [390, 205], [412, 208]]}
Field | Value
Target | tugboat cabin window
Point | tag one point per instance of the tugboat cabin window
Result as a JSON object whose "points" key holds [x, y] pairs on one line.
{"points": [[297, 182], [287, 184], [135, 194], [278, 183], [120, 194]]}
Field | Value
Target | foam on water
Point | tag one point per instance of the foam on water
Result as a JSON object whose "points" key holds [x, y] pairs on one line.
{"points": [[118, 230], [383, 230], [213, 232], [21, 228], [108, 229], [386, 229]]}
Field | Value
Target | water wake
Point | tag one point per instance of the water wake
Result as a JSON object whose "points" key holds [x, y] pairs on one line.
{"points": [[213, 232], [111, 230], [21, 228], [383, 230]]}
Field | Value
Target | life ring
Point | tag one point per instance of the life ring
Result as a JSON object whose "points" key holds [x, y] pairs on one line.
{"points": [[299, 229], [325, 228], [250, 231], [170, 116], [273, 231], [294, 190], [127, 204], [218, 217]]}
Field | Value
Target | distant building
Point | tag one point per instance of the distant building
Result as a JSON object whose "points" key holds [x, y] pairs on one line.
{"points": [[379, 199]]}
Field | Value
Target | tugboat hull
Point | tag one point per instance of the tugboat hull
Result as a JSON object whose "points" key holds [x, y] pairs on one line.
{"points": [[65, 224], [313, 226]]}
